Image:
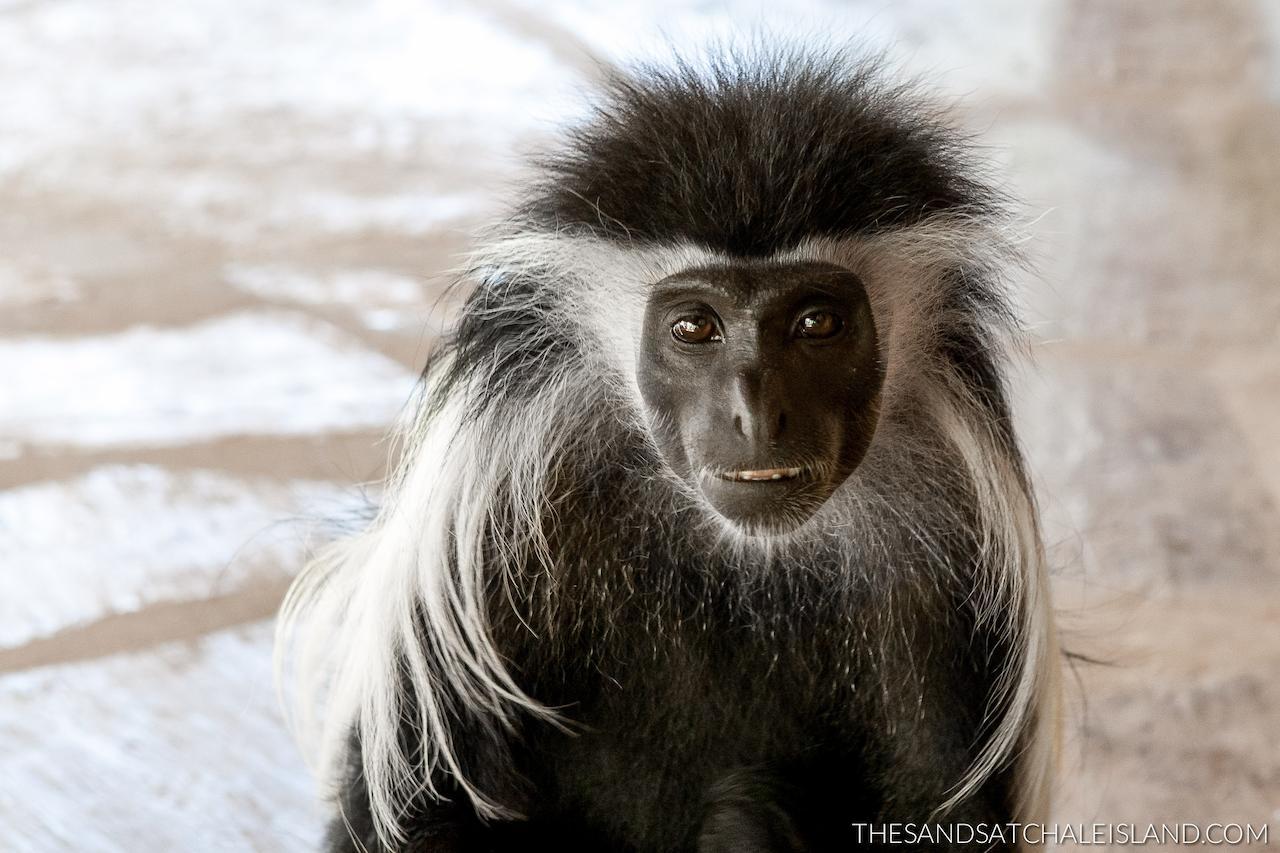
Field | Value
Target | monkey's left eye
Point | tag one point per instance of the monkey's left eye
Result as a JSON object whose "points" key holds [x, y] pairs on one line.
{"points": [[696, 329], [817, 325]]}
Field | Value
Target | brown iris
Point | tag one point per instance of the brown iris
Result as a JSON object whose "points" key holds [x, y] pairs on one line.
{"points": [[695, 329], [818, 325]]}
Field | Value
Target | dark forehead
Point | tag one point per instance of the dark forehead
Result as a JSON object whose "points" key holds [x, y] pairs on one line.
{"points": [[750, 282]]}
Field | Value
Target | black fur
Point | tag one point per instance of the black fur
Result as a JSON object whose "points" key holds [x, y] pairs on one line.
{"points": [[710, 697], [722, 705], [754, 154]]}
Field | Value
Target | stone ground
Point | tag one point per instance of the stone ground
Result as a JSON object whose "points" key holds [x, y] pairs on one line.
{"points": [[222, 232]]}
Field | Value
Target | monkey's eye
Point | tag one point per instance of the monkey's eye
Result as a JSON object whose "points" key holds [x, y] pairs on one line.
{"points": [[818, 325], [696, 329]]}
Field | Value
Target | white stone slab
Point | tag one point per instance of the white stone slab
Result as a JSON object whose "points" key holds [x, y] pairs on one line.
{"points": [[83, 73], [253, 373], [384, 301], [122, 537], [180, 747]]}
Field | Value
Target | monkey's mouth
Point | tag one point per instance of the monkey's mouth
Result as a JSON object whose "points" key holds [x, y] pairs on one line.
{"points": [[764, 501], [762, 475]]}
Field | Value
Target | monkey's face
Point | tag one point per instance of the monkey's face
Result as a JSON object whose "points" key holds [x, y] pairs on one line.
{"points": [[761, 384]]}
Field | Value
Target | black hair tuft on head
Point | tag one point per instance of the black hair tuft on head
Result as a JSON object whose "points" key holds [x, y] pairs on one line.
{"points": [[752, 151]]}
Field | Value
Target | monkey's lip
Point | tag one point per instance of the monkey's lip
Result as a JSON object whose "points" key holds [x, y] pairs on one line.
{"points": [[761, 475]]}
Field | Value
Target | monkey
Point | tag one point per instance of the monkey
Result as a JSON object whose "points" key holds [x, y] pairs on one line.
{"points": [[710, 531]]}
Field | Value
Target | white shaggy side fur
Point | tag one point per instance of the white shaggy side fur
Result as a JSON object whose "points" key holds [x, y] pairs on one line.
{"points": [[355, 616]]}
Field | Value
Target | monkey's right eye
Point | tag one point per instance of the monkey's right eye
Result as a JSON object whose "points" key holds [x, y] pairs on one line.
{"points": [[696, 329]]}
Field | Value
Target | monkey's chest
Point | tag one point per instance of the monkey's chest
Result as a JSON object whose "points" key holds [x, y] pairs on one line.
{"points": [[661, 739]]}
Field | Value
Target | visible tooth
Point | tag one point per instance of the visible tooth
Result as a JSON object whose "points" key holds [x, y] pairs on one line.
{"points": [[762, 475]]}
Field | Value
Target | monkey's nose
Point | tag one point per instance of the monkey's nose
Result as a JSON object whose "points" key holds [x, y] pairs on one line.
{"points": [[758, 406], [760, 427], [758, 418]]}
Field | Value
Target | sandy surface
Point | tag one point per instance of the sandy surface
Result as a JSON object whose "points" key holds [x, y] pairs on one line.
{"points": [[223, 232]]}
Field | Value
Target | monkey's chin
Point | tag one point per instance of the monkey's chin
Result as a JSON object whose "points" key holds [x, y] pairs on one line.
{"points": [[765, 509]]}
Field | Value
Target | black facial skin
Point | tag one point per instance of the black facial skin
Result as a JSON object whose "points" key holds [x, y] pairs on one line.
{"points": [[750, 372]]}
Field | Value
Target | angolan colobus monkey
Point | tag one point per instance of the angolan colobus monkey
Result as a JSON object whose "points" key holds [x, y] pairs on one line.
{"points": [[711, 531]]}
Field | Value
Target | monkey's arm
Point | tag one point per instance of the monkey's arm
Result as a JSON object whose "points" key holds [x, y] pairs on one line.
{"points": [[825, 811], [438, 827], [444, 824], [444, 830], [748, 813]]}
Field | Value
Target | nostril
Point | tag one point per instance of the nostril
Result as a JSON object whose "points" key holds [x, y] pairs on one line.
{"points": [[782, 422], [737, 425]]}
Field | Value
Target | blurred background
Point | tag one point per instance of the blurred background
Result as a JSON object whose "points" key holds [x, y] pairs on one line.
{"points": [[223, 229]]}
